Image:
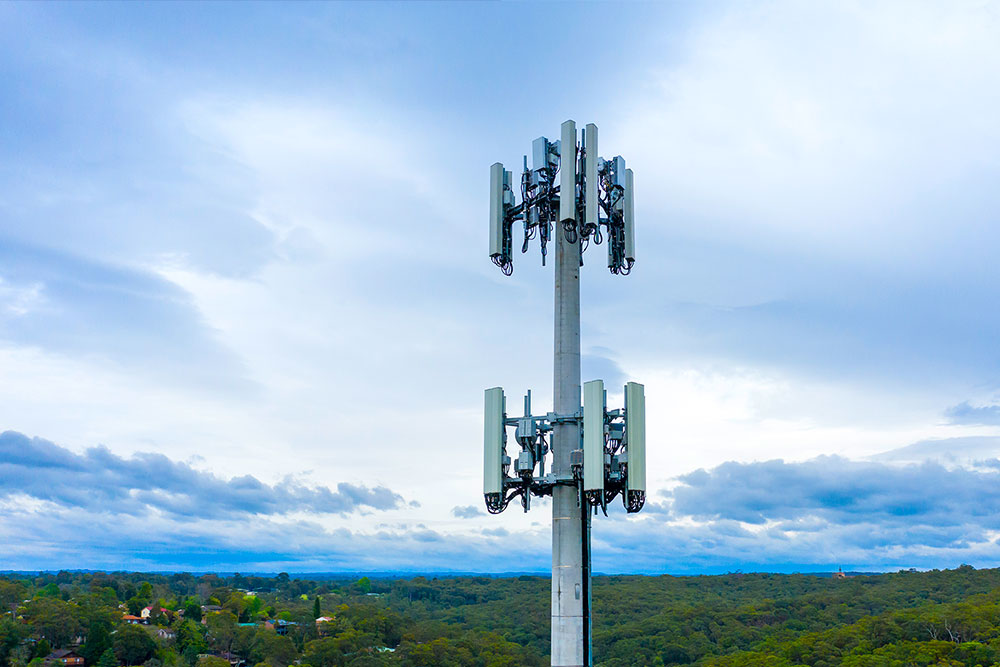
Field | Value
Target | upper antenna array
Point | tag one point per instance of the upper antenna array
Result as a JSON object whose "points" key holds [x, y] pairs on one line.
{"points": [[600, 204]]}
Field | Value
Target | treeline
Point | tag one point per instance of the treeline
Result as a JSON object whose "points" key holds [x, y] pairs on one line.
{"points": [[113, 619], [949, 617], [733, 619]]}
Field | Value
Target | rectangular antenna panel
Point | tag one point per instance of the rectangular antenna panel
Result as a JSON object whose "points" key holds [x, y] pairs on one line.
{"points": [[590, 174], [539, 153], [493, 428], [619, 176], [567, 172], [635, 434], [629, 215], [496, 209], [593, 435]]}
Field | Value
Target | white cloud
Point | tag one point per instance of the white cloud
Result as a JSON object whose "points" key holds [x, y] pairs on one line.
{"points": [[840, 130], [19, 300], [816, 239]]}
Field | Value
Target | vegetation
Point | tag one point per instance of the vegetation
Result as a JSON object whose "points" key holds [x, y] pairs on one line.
{"points": [[908, 618]]}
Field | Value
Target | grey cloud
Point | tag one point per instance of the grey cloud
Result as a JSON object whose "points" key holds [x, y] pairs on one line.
{"points": [[965, 413], [815, 515], [101, 481], [775, 516], [125, 314], [427, 536], [908, 504], [715, 546], [653, 507], [77, 537], [466, 512], [599, 365], [950, 450]]}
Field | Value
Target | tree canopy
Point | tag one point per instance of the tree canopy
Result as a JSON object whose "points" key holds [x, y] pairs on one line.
{"points": [[949, 617]]}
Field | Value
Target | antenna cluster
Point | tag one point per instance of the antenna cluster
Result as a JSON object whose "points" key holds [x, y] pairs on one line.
{"points": [[610, 460], [592, 199]]}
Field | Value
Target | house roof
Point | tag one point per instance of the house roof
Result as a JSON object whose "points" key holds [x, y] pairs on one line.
{"points": [[60, 654]]}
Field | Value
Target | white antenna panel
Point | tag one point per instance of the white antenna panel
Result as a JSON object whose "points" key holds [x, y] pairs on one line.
{"points": [[593, 435], [496, 209], [629, 215], [567, 172], [635, 435], [493, 428], [590, 174]]}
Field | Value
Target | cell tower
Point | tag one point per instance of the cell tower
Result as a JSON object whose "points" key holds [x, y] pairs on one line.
{"points": [[596, 454]]}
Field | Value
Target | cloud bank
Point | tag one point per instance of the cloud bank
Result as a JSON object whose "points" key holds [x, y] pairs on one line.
{"points": [[815, 515], [964, 413], [100, 481], [147, 511], [840, 491]]}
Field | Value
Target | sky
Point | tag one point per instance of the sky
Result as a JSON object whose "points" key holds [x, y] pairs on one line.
{"points": [[247, 311]]}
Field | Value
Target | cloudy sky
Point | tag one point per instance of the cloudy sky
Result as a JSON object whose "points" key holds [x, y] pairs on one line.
{"points": [[247, 313]]}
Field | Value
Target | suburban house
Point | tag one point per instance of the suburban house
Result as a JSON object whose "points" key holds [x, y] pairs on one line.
{"points": [[147, 612], [64, 656], [134, 620], [321, 627], [166, 633], [282, 627]]}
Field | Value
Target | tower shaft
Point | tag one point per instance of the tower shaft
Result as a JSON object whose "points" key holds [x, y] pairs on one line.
{"points": [[570, 520]]}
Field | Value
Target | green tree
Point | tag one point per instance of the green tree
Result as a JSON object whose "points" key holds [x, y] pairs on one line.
{"points": [[192, 611], [107, 659], [317, 610], [236, 603], [158, 617], [325, 652], [278, 650], [133, 645], [213, 661], [54, 619], [11, 594], [135, 605], [221, 629], [50, 590], [42, 648], [11, 635], [246, 641], [190, 655], [189, 634], [98, 642]]}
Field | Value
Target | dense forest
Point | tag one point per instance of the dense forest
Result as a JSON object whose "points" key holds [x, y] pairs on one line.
{"points": [[949, 617]]}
